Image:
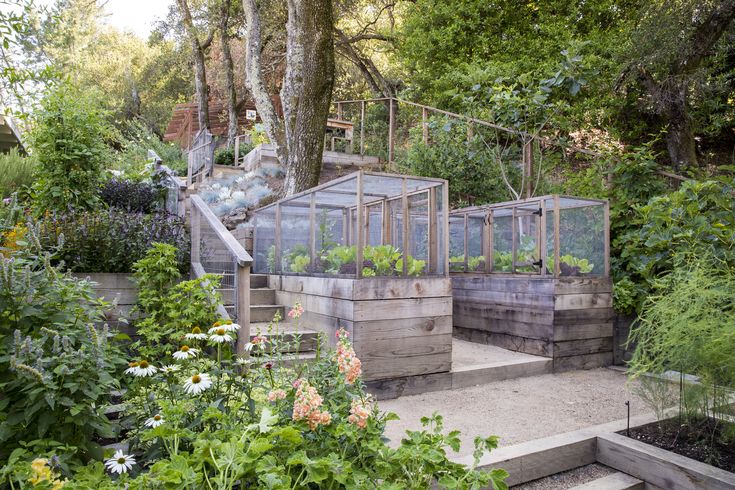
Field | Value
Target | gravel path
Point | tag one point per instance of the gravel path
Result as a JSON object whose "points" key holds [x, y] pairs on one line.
{"points": [[568, 479], [522, 409]]}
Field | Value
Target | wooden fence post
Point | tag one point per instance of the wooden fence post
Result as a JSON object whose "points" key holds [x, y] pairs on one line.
{"points": [[243, 307], [362, 127], [391, 130], [425, 125]]}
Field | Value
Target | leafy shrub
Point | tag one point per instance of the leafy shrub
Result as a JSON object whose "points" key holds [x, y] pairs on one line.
{"points": [[56, 368], [171, 308], [131, 196], [111, 240], [69, 141], [17, 172], [698, 219], [137, 139], [470, 167], [688, 325], [226, 156]]}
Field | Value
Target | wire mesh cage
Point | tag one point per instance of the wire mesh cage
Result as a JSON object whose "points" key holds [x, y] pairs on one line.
{"points": [[365, 224], [546, 235]]}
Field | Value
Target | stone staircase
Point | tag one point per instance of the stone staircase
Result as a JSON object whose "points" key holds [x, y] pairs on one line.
{"points": [[263, 308]]}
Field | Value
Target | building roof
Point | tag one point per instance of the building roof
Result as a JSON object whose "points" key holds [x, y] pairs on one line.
{"points": [[9, 135]]}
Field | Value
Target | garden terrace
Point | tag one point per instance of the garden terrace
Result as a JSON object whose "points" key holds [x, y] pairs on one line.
{"points": [[367, 252], [533, 275]]}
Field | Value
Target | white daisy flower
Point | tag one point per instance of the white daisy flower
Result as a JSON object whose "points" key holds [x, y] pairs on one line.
{"points": [[120, 463], [144, 369], [154, 421], [243, 361], [185, 352], [197, 383], [132, 368], [170, 368], [231, 327], [196, 334], [219, 335], [257, 341]]}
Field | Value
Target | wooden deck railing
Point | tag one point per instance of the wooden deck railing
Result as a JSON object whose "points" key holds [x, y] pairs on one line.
{"points": [[215, 251]]}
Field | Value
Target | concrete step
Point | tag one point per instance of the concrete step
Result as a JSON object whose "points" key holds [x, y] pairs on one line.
{"points": [[307, 338], [264, 313], [262, 296], [613, 481], [258, 281]]}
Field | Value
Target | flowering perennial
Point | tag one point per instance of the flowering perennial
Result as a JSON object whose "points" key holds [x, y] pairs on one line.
{"points": [[276, 395], [306, 405], [296, 312], [347, 360], [360, 413]]}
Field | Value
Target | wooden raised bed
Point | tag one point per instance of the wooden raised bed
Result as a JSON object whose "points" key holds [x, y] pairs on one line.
{"points": [[399, 326], [116, 288], [569, 319]]}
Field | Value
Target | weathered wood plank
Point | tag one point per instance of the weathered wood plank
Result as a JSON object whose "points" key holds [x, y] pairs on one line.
{"points": [[407, 327], [583, 347], [502, 298], [491, 282], [401, 308], [472, 375], [537, 347], [339, 288], [508, 313], [586, 285], [582, 331], [529, 330], [594, 315], [123, 296], [582, 301], [385, 389], [588, 361], [406, 366], [340, 308], [658, 466], [109, 280], [398, 288]]}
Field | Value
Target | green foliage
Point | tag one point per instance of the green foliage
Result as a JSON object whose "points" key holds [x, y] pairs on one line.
{"points": [[70, 131], [170, 308], [56, 367], [110, 240], [262, 424], [17, 172], [226, 156], [697, 219], [470, 167], [687, 325], [135, 140]]}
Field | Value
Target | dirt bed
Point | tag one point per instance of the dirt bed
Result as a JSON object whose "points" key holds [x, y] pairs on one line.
{"points": [[522, 409], [703, 441]]}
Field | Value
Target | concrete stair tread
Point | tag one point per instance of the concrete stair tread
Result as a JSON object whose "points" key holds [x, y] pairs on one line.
{"points": [[613, 481]]}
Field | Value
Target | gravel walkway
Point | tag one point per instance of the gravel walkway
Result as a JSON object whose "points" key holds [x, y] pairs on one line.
{"points": [[568, 479], [522, 409]]}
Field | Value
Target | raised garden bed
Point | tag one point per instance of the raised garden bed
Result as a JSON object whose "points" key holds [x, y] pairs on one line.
{"points": [[367, 252], [533, 276], [701, 442]]}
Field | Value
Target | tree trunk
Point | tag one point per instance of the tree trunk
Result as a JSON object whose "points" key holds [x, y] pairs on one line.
{"points": [[306, 92], [200, 67], [307, 89], [680, 141], [229, 75], [256, 85]]}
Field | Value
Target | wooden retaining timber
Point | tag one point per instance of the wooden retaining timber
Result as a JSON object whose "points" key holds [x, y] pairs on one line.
{"points": [[399, 327], [118, 289], [569, 319]]}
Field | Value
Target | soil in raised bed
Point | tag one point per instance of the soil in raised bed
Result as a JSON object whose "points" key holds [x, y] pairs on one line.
{"points": [[702, 440]]}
